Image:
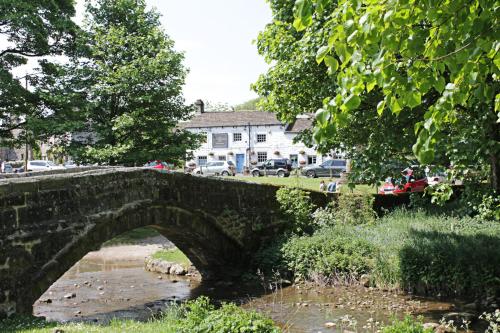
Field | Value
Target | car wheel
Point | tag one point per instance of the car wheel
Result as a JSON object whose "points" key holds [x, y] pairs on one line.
{"points": [[311, 174], [224, 173], [256, 173], [281, 173]]}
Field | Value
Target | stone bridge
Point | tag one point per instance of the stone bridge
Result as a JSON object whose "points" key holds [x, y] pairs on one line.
{"points": [[49, 222]]}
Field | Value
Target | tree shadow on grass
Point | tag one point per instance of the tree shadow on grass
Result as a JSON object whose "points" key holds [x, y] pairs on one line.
{"points": [[451, 264]]}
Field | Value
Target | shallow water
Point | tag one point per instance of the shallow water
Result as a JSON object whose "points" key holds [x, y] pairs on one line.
{"points": [[103, 289]]}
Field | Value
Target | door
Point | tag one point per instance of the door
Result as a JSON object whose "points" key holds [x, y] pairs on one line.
{"points": [[240, 162]]}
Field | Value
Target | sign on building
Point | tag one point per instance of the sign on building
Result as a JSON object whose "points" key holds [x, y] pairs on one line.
{"points": [[220, 140]]}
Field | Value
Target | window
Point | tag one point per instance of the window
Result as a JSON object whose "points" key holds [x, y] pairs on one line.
{"points": [[236, 137], [218, 164], [327, 163], [341, 163], [221, 157], [261, 156], [311, 159], [202, 160], [295, 160], [261, 138]]}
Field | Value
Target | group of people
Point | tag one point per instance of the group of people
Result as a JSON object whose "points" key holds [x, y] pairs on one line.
{"points": [[332, 186]]}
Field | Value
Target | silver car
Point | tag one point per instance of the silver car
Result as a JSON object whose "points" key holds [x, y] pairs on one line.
{"points": [[216, 168]]}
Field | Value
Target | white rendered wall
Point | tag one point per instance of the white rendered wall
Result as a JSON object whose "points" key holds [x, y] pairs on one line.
{"points": [[276, 141]]}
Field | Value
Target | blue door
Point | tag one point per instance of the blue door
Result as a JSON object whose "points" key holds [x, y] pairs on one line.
{"points": [[240, 162]]}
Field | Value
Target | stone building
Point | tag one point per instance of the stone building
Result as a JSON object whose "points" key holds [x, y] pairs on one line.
{"points": [[248, 138]]}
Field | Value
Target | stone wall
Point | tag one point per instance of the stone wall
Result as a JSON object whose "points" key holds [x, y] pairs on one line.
{"points": [[48, 222]]}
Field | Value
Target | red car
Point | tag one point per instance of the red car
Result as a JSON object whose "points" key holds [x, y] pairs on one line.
{"points": [[159, 165], [415, 184]]}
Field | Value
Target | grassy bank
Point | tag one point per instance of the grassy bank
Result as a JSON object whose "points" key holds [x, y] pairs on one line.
{"points": [[309, 184], [172, 255], [194, 316], [410, 250]]}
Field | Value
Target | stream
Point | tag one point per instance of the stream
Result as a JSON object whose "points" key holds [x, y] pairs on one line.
{"points": [[112, 283]]}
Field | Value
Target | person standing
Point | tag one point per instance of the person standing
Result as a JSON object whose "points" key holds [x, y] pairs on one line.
{"points": [[322, 186]]}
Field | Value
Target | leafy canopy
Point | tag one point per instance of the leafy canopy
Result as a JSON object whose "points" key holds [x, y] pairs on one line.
{"points": [[126, 82], [410, 50], [29, 29]]}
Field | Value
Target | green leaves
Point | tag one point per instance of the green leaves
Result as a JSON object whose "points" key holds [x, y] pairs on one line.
{"points": [[321, 54], [303, 14], [332, 63], [352, 102]]}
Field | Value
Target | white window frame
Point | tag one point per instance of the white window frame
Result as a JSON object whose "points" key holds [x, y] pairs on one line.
{"points": [[313, 158], [237, 137], [202, 158], [260, 136], [221, 158], [261, 156]]}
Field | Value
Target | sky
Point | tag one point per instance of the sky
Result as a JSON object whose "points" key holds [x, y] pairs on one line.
{"points": [[216, 37]]}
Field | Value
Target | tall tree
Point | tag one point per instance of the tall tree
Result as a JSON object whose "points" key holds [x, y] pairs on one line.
{"points": [[29, 29], [129, 79], [441, 54], [297, 84]]}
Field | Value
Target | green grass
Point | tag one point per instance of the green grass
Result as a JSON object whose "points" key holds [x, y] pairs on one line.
{"points": [[194, 316], [309, 184], [408, 250], [132, 237], [172, 255]]}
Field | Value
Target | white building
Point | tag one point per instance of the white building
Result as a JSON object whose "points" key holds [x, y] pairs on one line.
{"points": [[248, 138]]}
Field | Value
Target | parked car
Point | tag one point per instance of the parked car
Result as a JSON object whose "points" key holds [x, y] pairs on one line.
{"points": [[159, 165], [329, 168], [280, 167], [416, 181], [216, 168], [7, 168], [70, 164], [42, 165]]}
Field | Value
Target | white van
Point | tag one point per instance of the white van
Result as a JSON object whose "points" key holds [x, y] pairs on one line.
{"points": [[41, 165]]}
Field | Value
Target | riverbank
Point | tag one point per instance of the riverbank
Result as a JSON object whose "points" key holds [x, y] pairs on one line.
{"points": [[411, 251]]}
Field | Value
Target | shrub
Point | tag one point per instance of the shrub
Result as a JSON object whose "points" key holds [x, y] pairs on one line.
{"points": [[330, 253], [201, 317], [407, 325], [297, 206], [355, 209], [347, 210]]}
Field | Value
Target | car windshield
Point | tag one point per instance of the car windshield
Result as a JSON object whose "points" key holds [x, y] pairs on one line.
{"points": [[230, 163]]}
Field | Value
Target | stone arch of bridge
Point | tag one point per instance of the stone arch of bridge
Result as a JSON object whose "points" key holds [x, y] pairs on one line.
{"points": [[213, 253]]}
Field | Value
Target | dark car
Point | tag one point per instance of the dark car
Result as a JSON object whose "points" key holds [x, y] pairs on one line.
{"points": [[280, 167], [329, 168]]}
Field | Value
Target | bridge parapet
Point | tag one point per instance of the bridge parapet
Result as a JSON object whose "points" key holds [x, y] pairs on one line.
{"points": [[49, 222]]}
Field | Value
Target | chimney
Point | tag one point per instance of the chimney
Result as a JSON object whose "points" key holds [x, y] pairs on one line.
{"points": [[200, 106]]}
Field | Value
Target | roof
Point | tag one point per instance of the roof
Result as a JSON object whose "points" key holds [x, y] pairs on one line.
{"points": [[243, 118], [299, 125], [234, 118]]}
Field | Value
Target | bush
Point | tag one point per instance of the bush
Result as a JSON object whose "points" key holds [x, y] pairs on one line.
{"points": [[296, 204], [330, 254], [348, 210], [407, 325], [201, 317]]}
